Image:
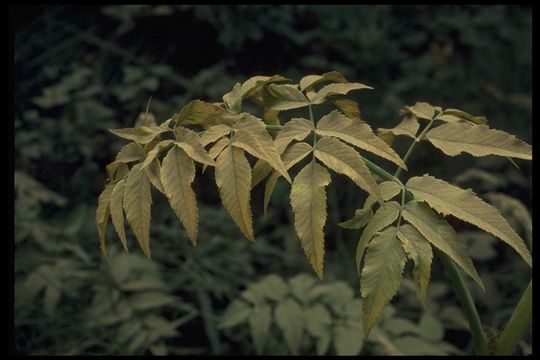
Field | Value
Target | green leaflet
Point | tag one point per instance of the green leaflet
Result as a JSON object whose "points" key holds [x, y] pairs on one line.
{"points": [[335, 89], [479, 140], [233, 178], [251, 136], [419, 251], [381, 275], [198, 112], [465, 205], [289, 319], [384, 216], [137, 204], [308, 200], [345, 160], [284, 97], [441, 235], [102, 215], [177, 174], [117, 211], [357, 133], [296, 129], [214, 133], [259, 325]]}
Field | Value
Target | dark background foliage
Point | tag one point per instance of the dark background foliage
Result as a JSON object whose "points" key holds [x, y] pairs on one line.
{"points": [[80, 70]]}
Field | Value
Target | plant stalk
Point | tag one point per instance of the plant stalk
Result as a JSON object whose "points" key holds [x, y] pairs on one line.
{"points": [[413, 144], [519, 322]]}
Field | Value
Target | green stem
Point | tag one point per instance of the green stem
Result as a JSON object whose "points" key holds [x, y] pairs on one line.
{"points": [[381, 172], [467, 304], [519, 322], [274, 127], [413, 144]]}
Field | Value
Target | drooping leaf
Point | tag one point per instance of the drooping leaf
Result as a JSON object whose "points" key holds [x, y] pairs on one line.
{"points": [[381, 276], [117, 211], [384, 216], [409, 126], [233, 178], [116, 170], [214, 133], [308, 200], [309, 81], [251, 136], [233, 99], [465, 205], [259, 325], [292, 156], [137, 203], [189, 141], [141, 134], [284, 97], [345, 160], [360, 218], [357, 133], [335, 89], [152, 154], [177, 174], [349, 107], [296, 129], [252, 85], [480, 140], [388, 190], [129, 153], [464, 116], [261, 169], [290, 321], [441, 235], [153, 171], [102, 215], [419, 251]]}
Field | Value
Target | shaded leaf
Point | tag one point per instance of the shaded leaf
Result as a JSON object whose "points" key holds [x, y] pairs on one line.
{"points": [[154, 175], [348, 338], [289, 319], [409, 126], [117, 211], [453, 139], [349, 107], [236, 313], [308, 200], [218, 147], [130, 152], [357, 133], [233, 99], [430, 327], [284, 97], [309, 81], [465, 205], [381, 275], [102, 215], [152, 154], [198, 112], [360, 218], [419, 251], [177, 174], [317, 320], [464, 116], [259, 324], [233, 178], [441, 235]]}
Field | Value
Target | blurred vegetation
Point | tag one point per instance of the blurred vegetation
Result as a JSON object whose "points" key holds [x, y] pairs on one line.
{"points": [[82, 70]]}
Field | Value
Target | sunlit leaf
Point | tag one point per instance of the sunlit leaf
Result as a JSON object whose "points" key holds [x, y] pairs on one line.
{"points": [[284, 97], [335, 89], [309, 81], [296, 129], [141, 134]]}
